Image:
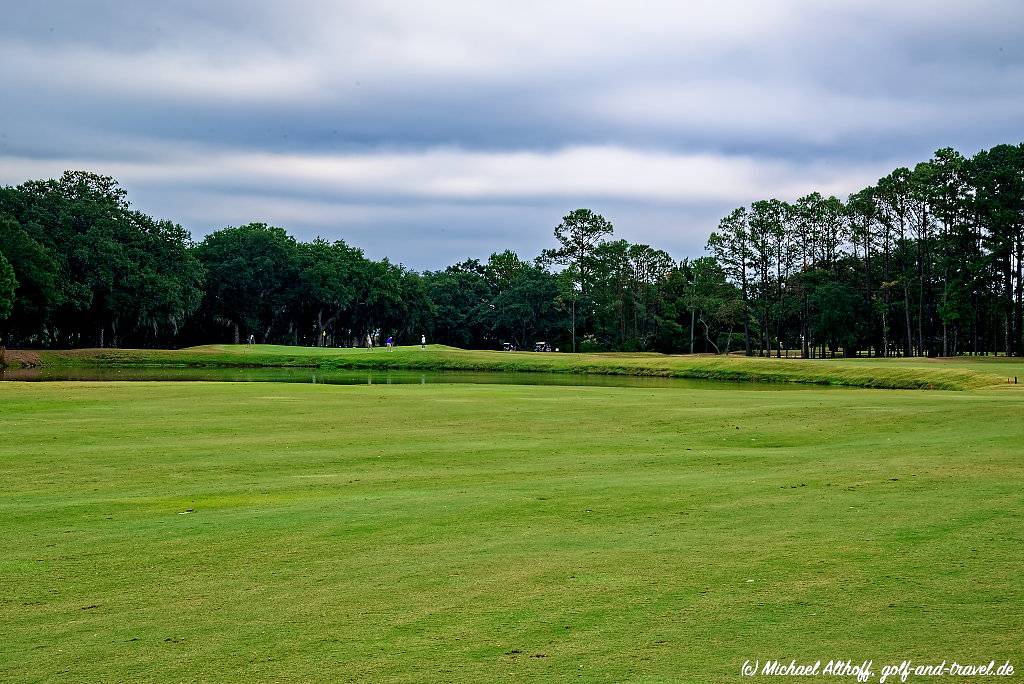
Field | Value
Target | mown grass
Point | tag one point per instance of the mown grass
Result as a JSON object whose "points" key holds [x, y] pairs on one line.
{"points": [[302, 533], [950, 374]]}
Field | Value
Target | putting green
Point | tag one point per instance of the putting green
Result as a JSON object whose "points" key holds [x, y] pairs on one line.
{"points": [[287, 532]]}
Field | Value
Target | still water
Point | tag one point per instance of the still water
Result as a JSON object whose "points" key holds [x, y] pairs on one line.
{"points": [[343, 377]]}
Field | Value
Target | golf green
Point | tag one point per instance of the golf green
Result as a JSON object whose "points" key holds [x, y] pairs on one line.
{"points": [[227, 532]]}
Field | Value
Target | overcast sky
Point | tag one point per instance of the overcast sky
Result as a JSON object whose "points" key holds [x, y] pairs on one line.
{"points": [[434, 131]]}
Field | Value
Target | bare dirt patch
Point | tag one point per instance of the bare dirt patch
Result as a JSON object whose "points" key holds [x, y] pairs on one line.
{"points": [[18, 358]]}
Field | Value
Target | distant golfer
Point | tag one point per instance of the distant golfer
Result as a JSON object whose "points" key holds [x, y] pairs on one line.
{"points": [[252, 338], [369, 342], [390, 342], [423, 341]]}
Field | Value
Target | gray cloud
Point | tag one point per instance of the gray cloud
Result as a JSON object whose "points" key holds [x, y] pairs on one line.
{"points": [[429, 132]]}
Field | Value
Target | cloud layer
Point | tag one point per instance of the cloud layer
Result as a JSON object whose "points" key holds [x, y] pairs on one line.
{"points": [[431, 132]]}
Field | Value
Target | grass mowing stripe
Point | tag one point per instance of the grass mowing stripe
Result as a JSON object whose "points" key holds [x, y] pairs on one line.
{"points": [[195, 531]]}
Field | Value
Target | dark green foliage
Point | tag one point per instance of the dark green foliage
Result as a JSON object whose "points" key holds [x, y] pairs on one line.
{"points": [[8, 285], [505, 300], [92, 270], [525, 308], [37, 276], [930, 261], [461, 297], [250, 275]]}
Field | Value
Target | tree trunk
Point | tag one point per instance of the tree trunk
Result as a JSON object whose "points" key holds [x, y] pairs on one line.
{"points": [[1007, 317], [804, 342], [746, 314], [906, 314], [885, 335], [693, 323], [708, 338], [574, 326], [1017, 338], [920, 319]]}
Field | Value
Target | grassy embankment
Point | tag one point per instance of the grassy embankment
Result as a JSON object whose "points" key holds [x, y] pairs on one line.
{"points": [[280, 532], [952, 374]]}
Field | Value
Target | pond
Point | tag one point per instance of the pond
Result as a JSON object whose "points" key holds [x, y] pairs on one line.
{"points": [[354, 377]]}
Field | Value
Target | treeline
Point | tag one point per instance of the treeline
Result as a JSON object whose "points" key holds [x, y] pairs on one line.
{"points": [[80, 267], [926, 262], [91, 271]]}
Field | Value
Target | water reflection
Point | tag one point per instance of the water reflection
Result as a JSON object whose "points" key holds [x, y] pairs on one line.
{"points": [[352, 377]]}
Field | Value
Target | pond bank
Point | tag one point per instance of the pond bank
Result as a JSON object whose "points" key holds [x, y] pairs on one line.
{"points": [[873, 373]]}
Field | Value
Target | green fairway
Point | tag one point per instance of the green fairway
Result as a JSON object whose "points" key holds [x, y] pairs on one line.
{"points": [[912, 373], [297, 533]]}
